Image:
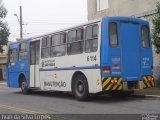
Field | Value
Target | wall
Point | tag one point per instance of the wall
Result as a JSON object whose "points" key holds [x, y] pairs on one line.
{"points": [[143, 9], [120, 8], [3, 61]]}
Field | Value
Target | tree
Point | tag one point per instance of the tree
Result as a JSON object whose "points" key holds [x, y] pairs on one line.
{"points": [[4, 30], [156, 29]]}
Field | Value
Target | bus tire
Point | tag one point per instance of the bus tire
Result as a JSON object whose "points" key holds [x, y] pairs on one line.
{"points": [[24, 87], [80, 88]]}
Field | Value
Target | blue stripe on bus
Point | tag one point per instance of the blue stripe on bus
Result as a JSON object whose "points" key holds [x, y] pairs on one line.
{"points": [[69, 68]]}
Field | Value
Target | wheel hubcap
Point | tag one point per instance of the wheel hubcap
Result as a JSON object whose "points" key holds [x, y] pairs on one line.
{"points": [[23, 85], [80, 87]]}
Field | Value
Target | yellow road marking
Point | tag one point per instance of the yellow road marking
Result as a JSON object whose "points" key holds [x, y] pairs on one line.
{"points": [[25, 111], [19, 109], [106, 82]]}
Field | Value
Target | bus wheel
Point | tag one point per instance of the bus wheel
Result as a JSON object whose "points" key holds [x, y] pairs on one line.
{"points": [[80, 88], [24, 87]]}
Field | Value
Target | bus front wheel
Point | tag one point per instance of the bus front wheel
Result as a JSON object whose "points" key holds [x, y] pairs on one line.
{"points": [[24, 87], [80, 88]]}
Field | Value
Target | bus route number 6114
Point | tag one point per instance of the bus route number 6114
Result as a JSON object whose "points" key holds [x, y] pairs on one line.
{"points": [[91, 58]]}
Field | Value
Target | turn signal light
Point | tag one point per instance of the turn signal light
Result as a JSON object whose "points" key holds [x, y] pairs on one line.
{"points": [[114, 81], [152, 79], [149, 78]]}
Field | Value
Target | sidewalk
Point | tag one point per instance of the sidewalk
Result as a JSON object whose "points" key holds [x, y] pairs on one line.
{"points": [[3, 82], [150, 91]]}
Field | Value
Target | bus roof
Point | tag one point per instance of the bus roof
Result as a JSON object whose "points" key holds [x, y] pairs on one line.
{"points": [[129, 19], [120, 18]]}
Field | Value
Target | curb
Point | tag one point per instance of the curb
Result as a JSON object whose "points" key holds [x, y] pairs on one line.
{"points": [[155, 96], [3, 83]]}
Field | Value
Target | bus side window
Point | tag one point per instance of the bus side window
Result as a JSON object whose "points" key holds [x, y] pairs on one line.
{"points": [[145, 37], [58, 45], [12, 56], [113, 37], [46, 43], [91, 42], [75, 42], [23, 51]]}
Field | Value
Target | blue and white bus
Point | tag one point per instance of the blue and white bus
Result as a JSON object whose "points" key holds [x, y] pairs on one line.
{"points": [[112, 54]]}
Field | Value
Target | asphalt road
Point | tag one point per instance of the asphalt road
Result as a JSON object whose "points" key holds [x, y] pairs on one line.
{"points": [[39, 102]]}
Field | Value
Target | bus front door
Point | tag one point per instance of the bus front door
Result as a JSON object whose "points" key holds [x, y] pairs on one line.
{"points": [[34, 64]]}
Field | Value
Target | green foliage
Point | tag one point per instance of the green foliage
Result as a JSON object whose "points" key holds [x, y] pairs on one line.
{"points": [[156, 29], [4, 30], [3, 12]]}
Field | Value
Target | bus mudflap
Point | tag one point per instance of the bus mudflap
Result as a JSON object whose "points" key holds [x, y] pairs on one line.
{"points": [[148, 82], [112, 83]]}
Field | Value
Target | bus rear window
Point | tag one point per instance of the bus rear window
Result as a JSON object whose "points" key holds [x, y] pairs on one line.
{"points": [[145, 37], [113, 34]]}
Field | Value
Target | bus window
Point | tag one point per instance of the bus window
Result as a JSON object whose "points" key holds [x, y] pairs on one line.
{"points": [[12, 56], [23, 51], [45, 47], [63, 38], [75, 42], [56, 39], [89, 32], [113, 37], [58, 51], [58, 45], [72, 36], [44, 42], [145, 37], [79, 34], [91, 42], [95, 31]]}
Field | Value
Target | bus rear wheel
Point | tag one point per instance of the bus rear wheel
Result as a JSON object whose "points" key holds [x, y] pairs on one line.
{"points": [[80, 88], [24, 87]]}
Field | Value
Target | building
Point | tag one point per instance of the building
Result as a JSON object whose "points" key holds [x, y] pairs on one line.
{"points": [[3, 61], [144, 9], [101, 8]]}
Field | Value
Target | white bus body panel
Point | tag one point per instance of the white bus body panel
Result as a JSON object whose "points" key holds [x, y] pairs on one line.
{"points": [[61, 80], [56, 72], [32, 76], [37, 80]]}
